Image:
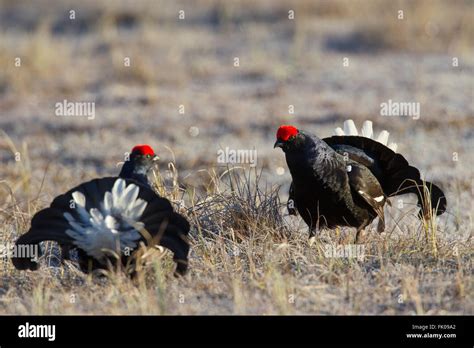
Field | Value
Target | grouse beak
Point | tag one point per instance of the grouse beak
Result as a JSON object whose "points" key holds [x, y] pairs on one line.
{"points": [[278, 143], [156, 158]]}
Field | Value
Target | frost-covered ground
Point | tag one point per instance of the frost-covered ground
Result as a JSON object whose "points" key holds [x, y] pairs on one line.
{"points": [[227, 75]]}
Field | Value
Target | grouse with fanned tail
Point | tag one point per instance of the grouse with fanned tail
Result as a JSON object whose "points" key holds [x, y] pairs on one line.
{"points": [[345, 180], [110, 216]]}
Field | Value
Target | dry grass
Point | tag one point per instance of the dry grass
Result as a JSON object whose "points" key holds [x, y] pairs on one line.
{"points": [[247, 255], [247, 259]]}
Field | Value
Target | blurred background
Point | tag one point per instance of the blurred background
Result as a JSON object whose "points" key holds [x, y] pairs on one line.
{"points": [[205, 75], [193, 77]]}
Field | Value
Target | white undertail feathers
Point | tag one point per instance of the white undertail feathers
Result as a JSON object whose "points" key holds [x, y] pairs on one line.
{"points": [[367, 132], [114, 226]]}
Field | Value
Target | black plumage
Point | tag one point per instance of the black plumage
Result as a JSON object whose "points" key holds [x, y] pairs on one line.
{"points": [[112, 214], [345, 180]]}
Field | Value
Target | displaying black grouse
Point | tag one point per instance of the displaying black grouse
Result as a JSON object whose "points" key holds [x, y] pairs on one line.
{"points": [[110, 216], [344, 180]]}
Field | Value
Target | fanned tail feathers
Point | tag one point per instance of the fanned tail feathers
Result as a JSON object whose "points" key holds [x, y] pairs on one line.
{"points": [[366, 132], [106, 216], [391, 169]]}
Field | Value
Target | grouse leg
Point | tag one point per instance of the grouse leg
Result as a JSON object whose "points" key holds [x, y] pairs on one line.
{"points": [[359, 230], [65, 252], [312, 232], [312, 237], [358, 234]]}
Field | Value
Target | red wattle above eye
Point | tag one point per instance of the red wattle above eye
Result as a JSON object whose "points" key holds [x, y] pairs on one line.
{"points": [[285, 132], [144, 150]]}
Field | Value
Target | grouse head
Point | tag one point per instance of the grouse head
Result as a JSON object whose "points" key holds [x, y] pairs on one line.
{"points": [[142, 160], [289, 138], [143, 156]]}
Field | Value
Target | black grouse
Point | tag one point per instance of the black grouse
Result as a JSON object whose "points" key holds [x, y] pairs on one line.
{"points": [[110, 216], [344, 180]]}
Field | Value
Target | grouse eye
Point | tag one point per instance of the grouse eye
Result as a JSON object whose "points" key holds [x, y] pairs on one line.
{"points": [[148, 156]]}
